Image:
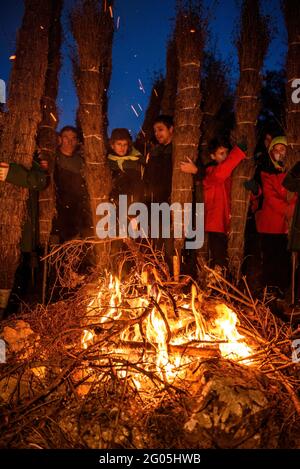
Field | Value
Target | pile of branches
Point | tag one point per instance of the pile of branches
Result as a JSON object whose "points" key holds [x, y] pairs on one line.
{"points": [[55, 393]]}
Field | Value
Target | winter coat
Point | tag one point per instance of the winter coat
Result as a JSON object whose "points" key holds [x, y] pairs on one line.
{"points": [[276, 210], [158, 174], [217, 191], [291, 182], [127, 175], [34, 179], [73, 217]]}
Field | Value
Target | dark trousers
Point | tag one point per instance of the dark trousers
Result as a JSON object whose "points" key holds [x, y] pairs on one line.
{"points": [[276, 260], [217, 248]]}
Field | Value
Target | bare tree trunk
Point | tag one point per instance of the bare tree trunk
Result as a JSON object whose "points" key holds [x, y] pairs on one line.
{"points": [[92, 29], [145, 136], [47, 138], [252, 46], [170, 89], [18, 139], [292, 19], [189, 43]]}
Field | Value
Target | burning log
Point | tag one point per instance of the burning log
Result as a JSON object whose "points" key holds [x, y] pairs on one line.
{"points": [[92, 30], [189, 43], [46, 137], [292, 15], [251, 51], [18, 138]]}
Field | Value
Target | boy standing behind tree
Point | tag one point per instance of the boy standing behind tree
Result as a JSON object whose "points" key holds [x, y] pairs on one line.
{"points": [[158, 171], [217, 191]]}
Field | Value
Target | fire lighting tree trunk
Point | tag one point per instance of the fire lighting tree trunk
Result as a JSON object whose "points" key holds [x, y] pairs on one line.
{"points": [[47, 138], [292, 19], [170, 89], [18, 139], [252, 45], [92, 29], [189, 43]]}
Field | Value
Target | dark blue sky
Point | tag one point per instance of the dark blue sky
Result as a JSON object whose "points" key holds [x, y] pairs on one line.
{"points": [[139, 50]]}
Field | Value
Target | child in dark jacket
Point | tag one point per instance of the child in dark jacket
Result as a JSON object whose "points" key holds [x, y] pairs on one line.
{"points": [[35, 179], [217, 191], [158, 172], [126, 164]]}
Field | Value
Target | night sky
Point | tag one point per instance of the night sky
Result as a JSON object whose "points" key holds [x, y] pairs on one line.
{"points": [[139, 50]]}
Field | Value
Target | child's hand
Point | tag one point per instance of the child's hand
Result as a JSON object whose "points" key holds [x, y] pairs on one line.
{"points": [[188, 167]]}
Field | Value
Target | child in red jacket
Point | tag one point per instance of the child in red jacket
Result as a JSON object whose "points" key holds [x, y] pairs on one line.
{"points": [[217, 189], [272, 219]]}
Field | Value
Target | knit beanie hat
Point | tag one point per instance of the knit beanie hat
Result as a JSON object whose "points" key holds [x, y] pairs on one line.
{"points": [[282, 139], [120, 134], [279, 165]]}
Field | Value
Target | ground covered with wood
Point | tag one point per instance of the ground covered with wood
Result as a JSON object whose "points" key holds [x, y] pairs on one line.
{"points": [[139, 361]]}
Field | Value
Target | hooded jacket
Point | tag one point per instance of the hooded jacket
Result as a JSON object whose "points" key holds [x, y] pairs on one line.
{"points": [[275, 207], [217, 189]]}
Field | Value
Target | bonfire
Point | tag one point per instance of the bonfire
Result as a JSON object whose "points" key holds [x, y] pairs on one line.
{"points": [[137, 360]]}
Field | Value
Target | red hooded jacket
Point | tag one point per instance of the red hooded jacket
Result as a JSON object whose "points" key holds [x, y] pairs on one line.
{"points": [[276, 209], [217, 188]]}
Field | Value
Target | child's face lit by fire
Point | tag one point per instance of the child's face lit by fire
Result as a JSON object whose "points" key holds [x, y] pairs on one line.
{"points": [[162, 133], [220, 154], [68, 142], [279, 153], [120, 147]]}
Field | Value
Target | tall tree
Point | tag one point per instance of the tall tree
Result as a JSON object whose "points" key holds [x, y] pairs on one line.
{"points": [[18, 139], [92, 29], [252, 45], [215, 92], [292, 19], [171, 79], [47, 138], [189, 43], [145, 136]]}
